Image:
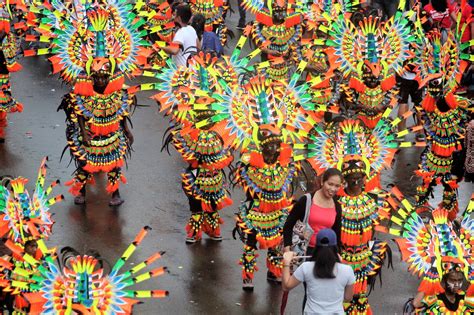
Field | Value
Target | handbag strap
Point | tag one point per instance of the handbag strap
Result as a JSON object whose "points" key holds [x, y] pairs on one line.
{"points": [[308, 208]]}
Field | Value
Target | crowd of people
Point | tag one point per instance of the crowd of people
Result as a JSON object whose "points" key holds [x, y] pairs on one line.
{"points": [[323, 94]]}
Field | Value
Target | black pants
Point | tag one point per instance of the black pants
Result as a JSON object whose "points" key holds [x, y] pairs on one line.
{"points": [[241, 13]]}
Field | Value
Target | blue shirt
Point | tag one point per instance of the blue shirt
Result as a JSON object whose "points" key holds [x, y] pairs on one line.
{"points": [[211, 43]]}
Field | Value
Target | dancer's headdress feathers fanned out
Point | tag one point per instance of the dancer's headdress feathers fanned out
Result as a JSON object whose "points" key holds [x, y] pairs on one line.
{"points": [[95, 37], [435, 248], [24, 217]]}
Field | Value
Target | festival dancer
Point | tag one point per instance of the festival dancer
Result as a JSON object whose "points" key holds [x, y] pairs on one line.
{"points": [[80, 284], [9, 51], [438, 252], [370, 53], [197, 130], [98, 107], [201, 147], [25, 221], [275, 117], [444, 114], [277, 31], [361, 154]]}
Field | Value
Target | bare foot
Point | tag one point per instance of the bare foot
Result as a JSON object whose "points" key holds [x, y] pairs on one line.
{"points": [[80, 200]]}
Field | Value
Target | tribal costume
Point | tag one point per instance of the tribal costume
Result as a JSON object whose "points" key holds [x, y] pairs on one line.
{"points": [[80, 284], [433, 249], [9, 51], [363, 153], [443, 113], [201, 147], [371, 53], [277, 31], [326, 93], [94, 55], [264, 118], [314, 10], [24, 219]]}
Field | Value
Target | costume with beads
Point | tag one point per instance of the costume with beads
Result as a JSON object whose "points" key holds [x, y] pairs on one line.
{"points": [[10, 49], [444, 113], [96, 40], [263, 118], [24, 218], [371, 53], [355, 149], [80, 284], [204, 181], [432, 247], [281, 35]]}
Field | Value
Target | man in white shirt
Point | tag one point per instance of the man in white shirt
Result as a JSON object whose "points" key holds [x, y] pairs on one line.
{"points": [[185, 41]]}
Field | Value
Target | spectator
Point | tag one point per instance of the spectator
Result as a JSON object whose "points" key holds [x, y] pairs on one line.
{"points": [[324, 211], [185, 41], [208, 40], [328, 282], [440, 14]]}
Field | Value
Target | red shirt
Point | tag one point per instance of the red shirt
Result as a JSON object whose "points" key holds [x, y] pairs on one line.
{"points": [[320, 218], [442, 17], [465, 14]]}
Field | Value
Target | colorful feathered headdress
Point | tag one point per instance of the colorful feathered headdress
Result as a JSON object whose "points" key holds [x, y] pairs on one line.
{"points": [[205, 75], [313, 10], [159, 17], [442, 63], [435, 248], [24, 217], [96, 37], [379, 47], [258, 103], [351, 147], [82, 285]]}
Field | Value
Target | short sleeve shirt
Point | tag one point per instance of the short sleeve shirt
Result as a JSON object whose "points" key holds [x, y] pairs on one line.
{"points": [[187, 37], [325, 296], [443, 18]]}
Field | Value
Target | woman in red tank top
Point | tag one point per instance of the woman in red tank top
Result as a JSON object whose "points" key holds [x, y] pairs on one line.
{"points": [[325, 211]]}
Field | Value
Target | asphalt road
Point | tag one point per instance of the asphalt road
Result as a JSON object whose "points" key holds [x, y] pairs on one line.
{"points": [[203, 278]]}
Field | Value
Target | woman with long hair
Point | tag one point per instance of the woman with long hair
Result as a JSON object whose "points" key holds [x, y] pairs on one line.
{"points": [[328, 282], [324, 210], [209, 41]]}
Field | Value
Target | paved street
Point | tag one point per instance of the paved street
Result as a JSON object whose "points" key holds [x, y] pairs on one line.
{"points": [[204, 278]]}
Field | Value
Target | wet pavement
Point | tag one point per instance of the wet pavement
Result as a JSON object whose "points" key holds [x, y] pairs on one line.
{"points": [[204, 278]]}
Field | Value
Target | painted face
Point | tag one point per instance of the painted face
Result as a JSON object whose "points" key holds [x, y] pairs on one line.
{"points": [[454, 281], [355, 180], [331, 186], [270, 151], [31, 248], [100, 80], [370, 80], [279, 15]]}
